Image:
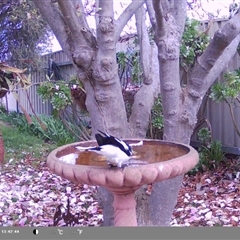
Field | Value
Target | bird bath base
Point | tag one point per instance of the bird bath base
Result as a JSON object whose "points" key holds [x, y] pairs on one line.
{"points": [[164, 160]]}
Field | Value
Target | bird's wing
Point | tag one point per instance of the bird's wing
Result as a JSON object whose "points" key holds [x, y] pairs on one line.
{"points": [[105, 139], [111, 140], [101, 140]]}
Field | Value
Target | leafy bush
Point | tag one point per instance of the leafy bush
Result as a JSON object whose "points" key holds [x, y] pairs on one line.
{"points": [[229, 89], [2, 109], [204, 136], [157, 121], [56, 131], [228, 92], [57, 92], [210, 153], [193, 43]]}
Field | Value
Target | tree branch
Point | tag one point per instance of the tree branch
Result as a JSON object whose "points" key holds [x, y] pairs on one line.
{"points": [[180, 13], [106, 8], [53, 16], [151, 13], [218, 53], [160, 31], [105, 27], [220, 64], [193, 98], [97, 10], [125, 16], [141, 109], [73, 22], [144, 44]]}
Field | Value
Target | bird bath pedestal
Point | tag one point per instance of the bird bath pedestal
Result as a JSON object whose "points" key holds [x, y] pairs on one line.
{"points": [[165, 160]]}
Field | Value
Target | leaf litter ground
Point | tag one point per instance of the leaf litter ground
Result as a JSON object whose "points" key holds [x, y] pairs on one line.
{"points": [[30, 195]]}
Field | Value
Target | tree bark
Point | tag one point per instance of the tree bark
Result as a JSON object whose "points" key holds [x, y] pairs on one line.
{"points": [[144, 98], [94, 59]]}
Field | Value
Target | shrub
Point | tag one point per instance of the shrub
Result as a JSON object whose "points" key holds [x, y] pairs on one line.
{"points": [[210, 152], [56, 131]]}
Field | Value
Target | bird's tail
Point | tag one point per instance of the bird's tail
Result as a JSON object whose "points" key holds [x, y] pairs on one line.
{"points": [[136, 144], [88, 148]]}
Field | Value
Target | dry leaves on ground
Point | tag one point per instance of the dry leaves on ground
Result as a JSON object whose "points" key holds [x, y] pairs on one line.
{"points": [[211, 198], [30, 195]]}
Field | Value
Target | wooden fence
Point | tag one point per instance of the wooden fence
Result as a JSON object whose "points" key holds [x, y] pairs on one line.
{"points": [[217, 113]]}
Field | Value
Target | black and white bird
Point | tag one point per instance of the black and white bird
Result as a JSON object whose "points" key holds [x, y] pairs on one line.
{"points": [[114, 149]]}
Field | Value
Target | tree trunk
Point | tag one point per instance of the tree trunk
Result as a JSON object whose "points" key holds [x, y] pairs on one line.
{"points": [[2, 149]]}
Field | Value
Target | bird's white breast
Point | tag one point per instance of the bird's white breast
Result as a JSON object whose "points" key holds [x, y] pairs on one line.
{"points": [[114, 155]]}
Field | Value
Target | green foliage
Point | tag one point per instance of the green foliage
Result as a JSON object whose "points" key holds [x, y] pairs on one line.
{"points": [[210, 153], [58, 93], [2, 108], [157, 114], [229, 89], [56, 131], [155, 130], [204, 136], [130, 62], [193, 43], [24, 33]]}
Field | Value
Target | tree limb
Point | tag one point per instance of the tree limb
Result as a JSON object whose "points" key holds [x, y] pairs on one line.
{"points": [[144, 42], [141, 109], [180, 13], [151, 13], [97, 10], [106, 8], [218, 47], [106, 20], [54, 18], [125, 16], [73, 21], [191, 98], [220, 64], [159, 14]]}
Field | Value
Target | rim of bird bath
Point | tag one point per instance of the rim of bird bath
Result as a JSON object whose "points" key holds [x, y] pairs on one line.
{"points": [[123, 182]]}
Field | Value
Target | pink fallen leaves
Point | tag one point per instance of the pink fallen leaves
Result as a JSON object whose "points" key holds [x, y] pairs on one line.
{"points": [[211, 198], [30, 196]]}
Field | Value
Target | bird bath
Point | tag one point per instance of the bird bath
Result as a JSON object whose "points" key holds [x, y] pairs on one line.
{"points": [[165, 160]]}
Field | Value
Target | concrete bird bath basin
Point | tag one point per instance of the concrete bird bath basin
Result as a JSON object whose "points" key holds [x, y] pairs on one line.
{"points": [[163, 160]]}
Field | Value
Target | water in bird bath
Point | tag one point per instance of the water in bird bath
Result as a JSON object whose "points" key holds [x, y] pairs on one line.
{"points": [[149, 152]]}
